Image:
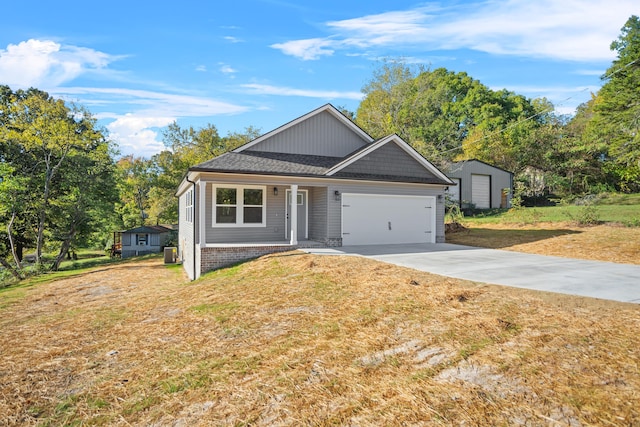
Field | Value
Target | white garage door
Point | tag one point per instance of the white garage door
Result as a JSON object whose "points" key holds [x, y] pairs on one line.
{"points": [[369, 219], [481, 191]]}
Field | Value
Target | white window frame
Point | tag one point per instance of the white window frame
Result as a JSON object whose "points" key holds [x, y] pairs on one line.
{"points": [[145, 242], [189, 206], [240, 206]]}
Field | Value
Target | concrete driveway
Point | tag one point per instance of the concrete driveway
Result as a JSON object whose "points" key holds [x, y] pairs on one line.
{"points": [[605, 280]]}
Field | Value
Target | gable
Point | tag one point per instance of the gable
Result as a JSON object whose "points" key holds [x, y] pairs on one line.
{"points": [[389, 161], [324, 132]]}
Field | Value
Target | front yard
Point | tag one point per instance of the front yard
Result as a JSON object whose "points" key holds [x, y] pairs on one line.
{"points": [[297, 339]]}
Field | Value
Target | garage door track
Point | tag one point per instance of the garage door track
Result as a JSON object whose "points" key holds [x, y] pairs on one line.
{"points": [[605, 280]]}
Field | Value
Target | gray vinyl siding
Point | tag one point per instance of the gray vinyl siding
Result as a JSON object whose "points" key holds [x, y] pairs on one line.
{"points": [[334, 217], [500, 179], [320, 135], [318, 213], [388, 160]]}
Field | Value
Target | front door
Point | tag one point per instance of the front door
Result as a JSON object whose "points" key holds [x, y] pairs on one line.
{"points": [[301, 206]]}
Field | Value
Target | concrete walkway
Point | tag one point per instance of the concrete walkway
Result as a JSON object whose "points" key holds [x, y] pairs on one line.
{"points": [[605, 280]]}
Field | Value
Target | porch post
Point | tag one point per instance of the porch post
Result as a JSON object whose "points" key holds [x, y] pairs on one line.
{"points": [[294, 215]]}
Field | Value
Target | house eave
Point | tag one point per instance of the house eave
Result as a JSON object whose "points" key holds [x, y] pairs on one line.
{"points": [[283, 179]]}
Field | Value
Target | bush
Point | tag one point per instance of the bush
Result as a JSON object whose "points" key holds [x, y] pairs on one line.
{"points": [[586, 215]]}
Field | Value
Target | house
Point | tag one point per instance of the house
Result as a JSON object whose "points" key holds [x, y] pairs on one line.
{"points": [[480, 185], [143, 240], [317, 180]]}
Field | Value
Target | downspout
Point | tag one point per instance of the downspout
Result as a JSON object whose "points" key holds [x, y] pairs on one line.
{"points": [[194, 223]]}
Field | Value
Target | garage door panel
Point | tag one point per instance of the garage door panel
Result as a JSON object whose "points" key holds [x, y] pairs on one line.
{"points": [[384, 219]]}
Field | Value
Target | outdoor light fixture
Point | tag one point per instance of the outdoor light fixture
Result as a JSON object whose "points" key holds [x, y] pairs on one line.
{"points": [[275, 191], [337, 194], [439, 197]]}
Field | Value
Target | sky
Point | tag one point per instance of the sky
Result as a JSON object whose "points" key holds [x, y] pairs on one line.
{"points": [[140, 65]]}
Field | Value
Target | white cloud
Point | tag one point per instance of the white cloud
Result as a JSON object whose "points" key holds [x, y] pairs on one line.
{"points": [[232, 39], [227, 69], [150, 103], [45, 63], [137, 132], [201, 68], [307, 49], [569, 30], [262, 89]]}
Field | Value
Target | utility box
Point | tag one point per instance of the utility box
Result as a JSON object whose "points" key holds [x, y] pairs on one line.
{"points": [[170, 255]]}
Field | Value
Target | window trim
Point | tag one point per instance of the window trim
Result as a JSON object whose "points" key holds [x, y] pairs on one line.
{"points": [[189, 206], [239, 206], [143, 242]]}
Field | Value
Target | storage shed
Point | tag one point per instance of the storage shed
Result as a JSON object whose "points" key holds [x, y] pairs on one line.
{"points": [[143, 240], [480, 185]]}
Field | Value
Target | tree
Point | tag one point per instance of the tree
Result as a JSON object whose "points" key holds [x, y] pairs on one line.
{"points": [[13, 198], [616, 119], [85, 197], [135, 177], [47, 131], [44, 144]]}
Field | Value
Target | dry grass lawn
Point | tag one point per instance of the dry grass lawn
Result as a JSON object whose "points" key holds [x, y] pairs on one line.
{"points": [[294, 339], [611, 243]]}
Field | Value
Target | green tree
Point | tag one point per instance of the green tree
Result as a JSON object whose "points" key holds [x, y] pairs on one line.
{"points": [[85, 198], [47, 132], [135, 176], [616, 120], [44, 144]]}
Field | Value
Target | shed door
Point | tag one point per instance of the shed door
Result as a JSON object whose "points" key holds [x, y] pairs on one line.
{"points": [[369, 219], [481, 191]]}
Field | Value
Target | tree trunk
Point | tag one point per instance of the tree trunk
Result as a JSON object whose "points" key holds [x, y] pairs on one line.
{"points": [[15, 254], [10, 268], [64, 249]]}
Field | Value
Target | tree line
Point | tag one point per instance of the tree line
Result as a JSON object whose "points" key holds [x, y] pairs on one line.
{"points": [[449, 116], [63, 184]]}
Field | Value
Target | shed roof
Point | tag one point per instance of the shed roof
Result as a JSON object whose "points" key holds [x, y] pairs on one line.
{"points": [[148, 229]]}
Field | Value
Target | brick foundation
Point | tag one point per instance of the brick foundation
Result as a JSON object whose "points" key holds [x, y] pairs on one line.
{"points": [[218, 257]]}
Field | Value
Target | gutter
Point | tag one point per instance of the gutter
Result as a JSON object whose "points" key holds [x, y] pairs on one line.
{"points": [[194, 228]]}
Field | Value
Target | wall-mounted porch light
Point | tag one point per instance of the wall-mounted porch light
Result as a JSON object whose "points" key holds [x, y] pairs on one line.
{"points": [[336, 194], [275, 191]]}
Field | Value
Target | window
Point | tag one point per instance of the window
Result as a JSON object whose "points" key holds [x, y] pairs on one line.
{"points": [[240, 206], [300, 198], [189, 206], [142, 239]]}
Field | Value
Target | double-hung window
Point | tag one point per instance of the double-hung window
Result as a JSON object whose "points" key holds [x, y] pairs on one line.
{"points": [[239, 206], [189, 206]]}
